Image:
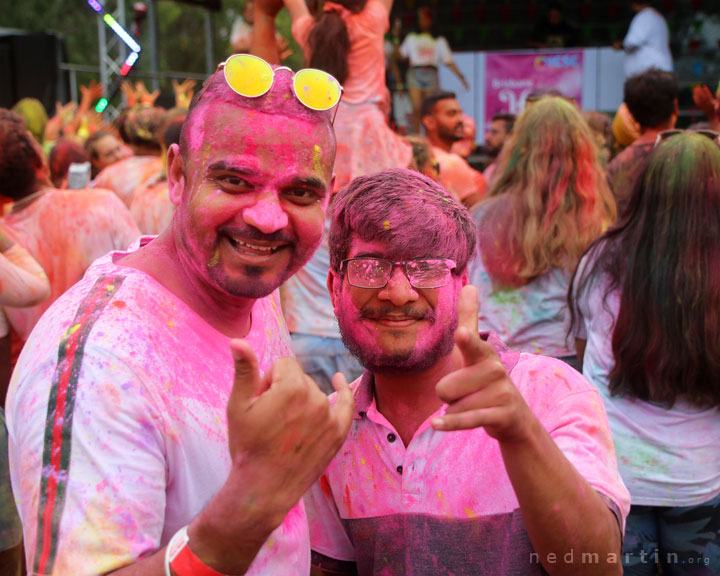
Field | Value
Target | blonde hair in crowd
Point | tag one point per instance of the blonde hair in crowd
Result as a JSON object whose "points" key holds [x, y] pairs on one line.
{"points": [[561, 200]]}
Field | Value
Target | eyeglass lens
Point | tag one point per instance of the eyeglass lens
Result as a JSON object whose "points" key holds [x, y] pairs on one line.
{"points": [[375, 273]]}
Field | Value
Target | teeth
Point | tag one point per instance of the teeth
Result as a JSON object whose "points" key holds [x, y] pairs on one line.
{"points": [[239, 243]]}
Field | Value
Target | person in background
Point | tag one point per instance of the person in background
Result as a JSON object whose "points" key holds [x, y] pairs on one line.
{"points": [[644, 301], [554, 31], [424, 54], [423, 158], [64, 230], [241, 35], [467, 146], [34, 117], [652, 100], [64, 153], [140, 128], [601, 127], [22, 283], [346, 40], [464, 456], [500, 128], [104, 149], [151, 206], [709, 104], [549, 201], [442, 119], [647, 42]]}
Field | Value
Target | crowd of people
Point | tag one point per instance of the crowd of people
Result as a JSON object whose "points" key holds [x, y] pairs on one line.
{"points": [[264, 333]]}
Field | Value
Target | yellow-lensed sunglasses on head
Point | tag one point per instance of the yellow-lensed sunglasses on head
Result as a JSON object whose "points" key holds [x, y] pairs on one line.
{"points": [[252, 77]]}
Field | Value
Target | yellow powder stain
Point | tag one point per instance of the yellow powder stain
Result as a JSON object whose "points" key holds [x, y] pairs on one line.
{"points": [[317, 162], [271, 542], [390, 480], [110, 287], [440, 497], [74, 329], [386, 224], [470, 513], [215, 259], [171, 323], [362, 461]]}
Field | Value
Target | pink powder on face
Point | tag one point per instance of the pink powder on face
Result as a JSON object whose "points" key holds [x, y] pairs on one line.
{"points": [[266, 179], [380, 347]]}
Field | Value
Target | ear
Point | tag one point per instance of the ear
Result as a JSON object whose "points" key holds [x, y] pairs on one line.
{"points": [[429, 122], [332, 191], [175, 174], [464, 280], [333, 284]]}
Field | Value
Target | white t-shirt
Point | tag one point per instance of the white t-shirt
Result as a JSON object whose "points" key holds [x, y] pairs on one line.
{"points": [[665, 457], [531, 318], [647, 43], [305, 298], [123, 440], [424, 50]]}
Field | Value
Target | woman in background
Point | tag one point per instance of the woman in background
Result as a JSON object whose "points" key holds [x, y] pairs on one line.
{"points": [[549, 201], [346, 40], [646, 317]]}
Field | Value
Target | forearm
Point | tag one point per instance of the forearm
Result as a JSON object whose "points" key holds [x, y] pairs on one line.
{"points": [[562, 513], [264, 44]]}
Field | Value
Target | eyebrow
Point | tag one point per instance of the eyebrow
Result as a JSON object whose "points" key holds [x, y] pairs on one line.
{"points": [[309, 181], [222, 165]]}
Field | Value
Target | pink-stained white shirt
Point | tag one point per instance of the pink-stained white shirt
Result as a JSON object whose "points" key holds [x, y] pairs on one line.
{"points": [[123, 440], [125, 176], [65, 231], [457, 176], [151, 208], [666, 457], [444, 504], [366, 58]]}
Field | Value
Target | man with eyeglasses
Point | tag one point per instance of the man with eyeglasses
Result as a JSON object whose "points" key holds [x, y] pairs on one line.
{"points": [[157, 422], [464, 457]]}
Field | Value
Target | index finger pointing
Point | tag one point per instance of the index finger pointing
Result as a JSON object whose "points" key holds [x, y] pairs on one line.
{"points": [[468, 309]]}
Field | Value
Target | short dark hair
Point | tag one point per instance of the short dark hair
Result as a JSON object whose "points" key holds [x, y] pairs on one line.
{"points": [[650, 96], [18, 157], [508, 118], [428, 105]]}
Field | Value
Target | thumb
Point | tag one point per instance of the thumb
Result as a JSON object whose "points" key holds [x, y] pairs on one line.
{"points": [[467, 339], [246, 384]]}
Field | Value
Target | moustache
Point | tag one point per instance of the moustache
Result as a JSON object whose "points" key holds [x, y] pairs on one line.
{"points": [[372, 313], [251, 233]]}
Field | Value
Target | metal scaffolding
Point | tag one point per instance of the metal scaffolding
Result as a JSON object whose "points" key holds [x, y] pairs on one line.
{"points": [[113, 51]]}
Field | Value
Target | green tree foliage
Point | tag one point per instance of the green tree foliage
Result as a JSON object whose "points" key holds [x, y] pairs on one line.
{"points": [[181, 32]]}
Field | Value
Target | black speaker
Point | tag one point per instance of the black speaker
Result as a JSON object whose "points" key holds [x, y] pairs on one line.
{"points": [[29, 68]]}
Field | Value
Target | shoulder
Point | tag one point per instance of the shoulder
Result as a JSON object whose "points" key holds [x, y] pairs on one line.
{"points": [[545, 381]]}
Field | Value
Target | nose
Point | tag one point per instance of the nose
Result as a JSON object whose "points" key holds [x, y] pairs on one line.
{"points": [[398, 289], [266, 214]]}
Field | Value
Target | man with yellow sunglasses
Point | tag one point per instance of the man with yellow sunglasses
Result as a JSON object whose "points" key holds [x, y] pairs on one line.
{"points": [[155, 427]]}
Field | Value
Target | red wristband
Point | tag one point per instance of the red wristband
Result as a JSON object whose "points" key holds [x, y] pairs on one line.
{"points": [[181, 559]]}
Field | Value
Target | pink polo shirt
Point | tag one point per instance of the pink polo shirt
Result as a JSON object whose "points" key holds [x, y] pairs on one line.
{"points": [[444, 504]]}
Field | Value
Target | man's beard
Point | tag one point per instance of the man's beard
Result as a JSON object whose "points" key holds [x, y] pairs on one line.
{"points": [[411, 361]]}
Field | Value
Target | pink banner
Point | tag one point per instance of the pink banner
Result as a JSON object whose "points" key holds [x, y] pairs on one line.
{"points": [[509, 78]]}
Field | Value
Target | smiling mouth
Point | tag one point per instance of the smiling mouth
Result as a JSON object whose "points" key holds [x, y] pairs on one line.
{"points": [[252, 248]]}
